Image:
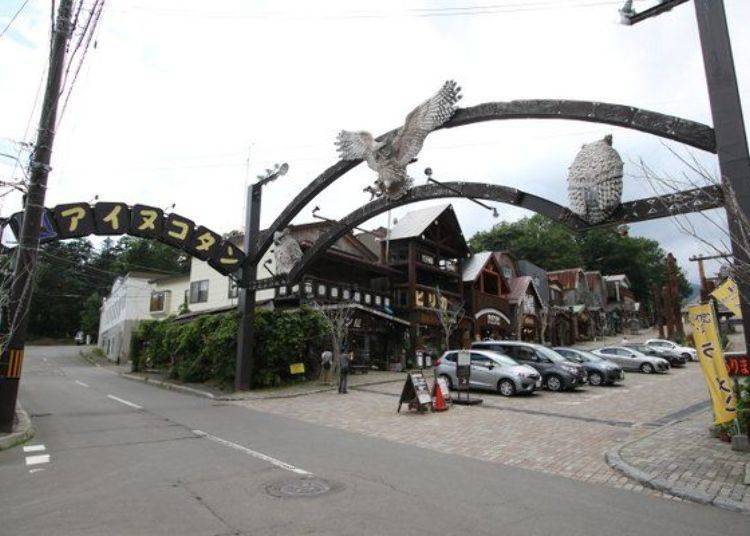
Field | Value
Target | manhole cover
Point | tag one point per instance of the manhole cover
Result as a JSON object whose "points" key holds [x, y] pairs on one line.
{"points": [[299, 487]]}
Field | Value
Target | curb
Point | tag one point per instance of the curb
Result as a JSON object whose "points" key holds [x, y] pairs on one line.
{"points": [[169, 386], [25, 430], [615, 460]]}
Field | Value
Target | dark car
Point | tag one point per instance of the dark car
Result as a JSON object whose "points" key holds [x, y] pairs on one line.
{"points": [[599, 370], [675, 359], [558, 374]]}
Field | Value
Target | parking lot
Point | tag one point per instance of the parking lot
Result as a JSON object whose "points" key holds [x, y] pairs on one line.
{"points": [[564, 433]]}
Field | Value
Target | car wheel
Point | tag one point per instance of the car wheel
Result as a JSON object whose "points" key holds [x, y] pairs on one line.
{"points": [[687, 357], [596, 379], [506, 388], [554, 383], [447, 380], [647, 368]]}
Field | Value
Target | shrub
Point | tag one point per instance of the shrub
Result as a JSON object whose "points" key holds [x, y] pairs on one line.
{"points": [[205, 348]]}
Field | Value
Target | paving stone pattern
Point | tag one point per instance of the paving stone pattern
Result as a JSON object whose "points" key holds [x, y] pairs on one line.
{"points": [[684, 455], [565, 434]]}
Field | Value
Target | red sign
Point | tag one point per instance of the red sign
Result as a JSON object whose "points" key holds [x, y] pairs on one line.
{"points": [[738, 364]]}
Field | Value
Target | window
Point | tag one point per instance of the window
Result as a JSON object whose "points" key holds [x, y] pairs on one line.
{"points": [[357, 296], [525, 354], [507, 272], [321, 290], [378, 300], [199, 291], [388, 302], [234, 290], [308, 289], [427, 259], [282, 291], [334, 292], [479, 359], [368, 299], [158, 301], [347, 294], [608, 351]]}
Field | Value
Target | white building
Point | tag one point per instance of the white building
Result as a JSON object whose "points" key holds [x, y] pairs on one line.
{"points": [[152, 296]]}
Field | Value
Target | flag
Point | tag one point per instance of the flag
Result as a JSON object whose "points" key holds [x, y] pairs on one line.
{"points": [[729, 296], [707, 343]]}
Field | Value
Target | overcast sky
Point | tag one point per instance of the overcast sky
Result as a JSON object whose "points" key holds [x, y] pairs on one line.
{"points": [[177, 93]]}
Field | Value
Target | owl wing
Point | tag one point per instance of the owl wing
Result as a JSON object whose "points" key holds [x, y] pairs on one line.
{"points": [[354, 145], [425, 118]]}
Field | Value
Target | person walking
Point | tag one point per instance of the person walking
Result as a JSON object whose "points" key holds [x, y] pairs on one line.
{"points": [[326, 361], [344, 359]]}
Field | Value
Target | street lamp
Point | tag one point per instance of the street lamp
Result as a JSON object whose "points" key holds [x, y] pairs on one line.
{"points": [[248, 276]]}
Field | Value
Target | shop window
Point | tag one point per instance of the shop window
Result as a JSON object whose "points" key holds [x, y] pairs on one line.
{"points": [[199, 291]]}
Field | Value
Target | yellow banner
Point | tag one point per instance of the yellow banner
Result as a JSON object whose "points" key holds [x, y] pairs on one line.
{"points": [[297, 368], [711, 357], [729, 296]]}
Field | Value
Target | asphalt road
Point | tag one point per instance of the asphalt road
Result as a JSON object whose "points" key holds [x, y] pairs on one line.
{"points": [[126, 458]]}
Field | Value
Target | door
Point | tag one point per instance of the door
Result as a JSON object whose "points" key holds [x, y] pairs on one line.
{"points": [[481, 374], [611, 355], [628, 359]]}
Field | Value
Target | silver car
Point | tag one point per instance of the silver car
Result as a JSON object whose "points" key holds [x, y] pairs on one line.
{"points": [[491, 371], [674, 348], [630, 359]]}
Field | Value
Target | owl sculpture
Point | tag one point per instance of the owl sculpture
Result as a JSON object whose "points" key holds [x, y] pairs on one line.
{"points": [[389, 158], [286, 252], [595, 181]]}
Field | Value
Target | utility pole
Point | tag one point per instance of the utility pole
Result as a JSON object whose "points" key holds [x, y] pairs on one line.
{"points": [[26, 256]]}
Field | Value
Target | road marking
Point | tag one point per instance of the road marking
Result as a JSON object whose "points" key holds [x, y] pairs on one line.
{"points": [[36, 460], [36, 470], [253, 453], [81, 383], [33, 448], [121, 401]]}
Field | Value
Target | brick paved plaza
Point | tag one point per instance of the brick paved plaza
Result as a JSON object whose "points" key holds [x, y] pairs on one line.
{"points": [[566, 434]]}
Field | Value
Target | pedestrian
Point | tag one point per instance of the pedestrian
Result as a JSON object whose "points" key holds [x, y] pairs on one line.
{"points": [[344, 359], [625, 340], [326, 362]]}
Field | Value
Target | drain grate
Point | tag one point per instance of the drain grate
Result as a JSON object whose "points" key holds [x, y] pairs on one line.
{"points": [[299, 487]]}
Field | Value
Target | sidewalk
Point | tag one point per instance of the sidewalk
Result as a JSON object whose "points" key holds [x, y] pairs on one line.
{"points": [[23, 430], [681, 459]]}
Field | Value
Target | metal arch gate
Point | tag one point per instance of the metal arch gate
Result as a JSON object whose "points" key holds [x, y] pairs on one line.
{"points": [[678, 129], [643, 209]]}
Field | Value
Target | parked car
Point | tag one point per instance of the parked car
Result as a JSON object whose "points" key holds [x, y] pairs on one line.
{"points": [[630, 359], [558, 374], [80, 338], [684, 351], [675, 359], [491, 370], [600, 371]]}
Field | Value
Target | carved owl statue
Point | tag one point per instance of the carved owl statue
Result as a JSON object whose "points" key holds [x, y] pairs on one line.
{"points": [[595, 181], [286, 251], [389, 158]]}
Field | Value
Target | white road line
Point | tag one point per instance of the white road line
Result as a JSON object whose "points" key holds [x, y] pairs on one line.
{"points": [[36, 460], [121, 401], [33, 448], [253, 453], [36, 470], [81, 383]]}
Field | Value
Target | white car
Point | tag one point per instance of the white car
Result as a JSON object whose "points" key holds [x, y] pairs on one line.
{"points": [[630, 359], [684, 351]]}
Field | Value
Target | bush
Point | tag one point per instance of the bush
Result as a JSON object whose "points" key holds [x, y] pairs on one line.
{"points": [[205, 348]]}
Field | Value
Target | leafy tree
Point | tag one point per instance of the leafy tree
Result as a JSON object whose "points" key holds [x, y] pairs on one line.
{"points": [[90, 314], [553, 246]]}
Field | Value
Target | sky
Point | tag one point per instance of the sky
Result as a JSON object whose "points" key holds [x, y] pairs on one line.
{"points": [[184, 101]]}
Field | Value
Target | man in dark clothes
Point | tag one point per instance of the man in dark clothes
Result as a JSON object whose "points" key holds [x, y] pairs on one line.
{"points": [[344, 359]]}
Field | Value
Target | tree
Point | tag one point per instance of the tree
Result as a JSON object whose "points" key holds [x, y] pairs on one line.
{"points": [[90, 314], [553, 246], [337, 318], [448, 314]]}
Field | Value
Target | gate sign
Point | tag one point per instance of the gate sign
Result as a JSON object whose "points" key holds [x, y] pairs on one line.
{"points": [[76, 220]]}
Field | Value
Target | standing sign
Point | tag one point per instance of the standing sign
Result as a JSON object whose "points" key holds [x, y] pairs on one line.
{"points": [[416, 393], [706, 334]]}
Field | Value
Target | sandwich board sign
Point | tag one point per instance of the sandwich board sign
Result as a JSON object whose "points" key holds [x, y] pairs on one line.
{"points": [[416, 393]]}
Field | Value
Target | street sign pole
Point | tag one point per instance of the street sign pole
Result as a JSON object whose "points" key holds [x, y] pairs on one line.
{"points": [[729, 128], [11, 359]]}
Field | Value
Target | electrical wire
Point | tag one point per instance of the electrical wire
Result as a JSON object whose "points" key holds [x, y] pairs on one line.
{"points": [[13, 18]]}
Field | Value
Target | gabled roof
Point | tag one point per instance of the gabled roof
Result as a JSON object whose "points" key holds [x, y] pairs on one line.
{"points": [[473, 267], [416, 222], [621, 278], [519, 287], [568, 279], [591, 278]]}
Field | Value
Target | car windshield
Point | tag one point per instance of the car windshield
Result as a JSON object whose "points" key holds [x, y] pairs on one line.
{"points": [[589, 357], [550, 354], [503, 359]]}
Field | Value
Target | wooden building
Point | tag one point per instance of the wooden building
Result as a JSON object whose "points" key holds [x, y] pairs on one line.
{"points": [[486, 293]]}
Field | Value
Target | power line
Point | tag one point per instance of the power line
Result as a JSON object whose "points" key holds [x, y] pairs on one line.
{"points": [[13, 18]]}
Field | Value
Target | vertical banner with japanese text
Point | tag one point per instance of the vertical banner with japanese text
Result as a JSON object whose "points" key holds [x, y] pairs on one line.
{"points": [[729, 296], [708, 344]]}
